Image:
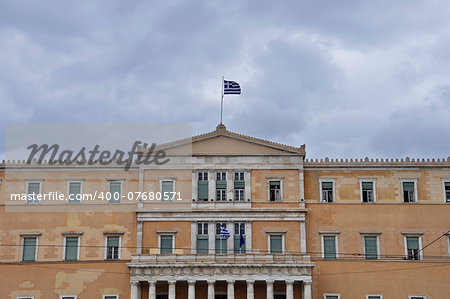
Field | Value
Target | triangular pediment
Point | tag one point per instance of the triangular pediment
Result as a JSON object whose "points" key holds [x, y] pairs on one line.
{"points": [[223, 142]]}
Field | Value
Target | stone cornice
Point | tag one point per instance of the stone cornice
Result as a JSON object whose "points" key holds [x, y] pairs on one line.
{"points": [[376, 163]]}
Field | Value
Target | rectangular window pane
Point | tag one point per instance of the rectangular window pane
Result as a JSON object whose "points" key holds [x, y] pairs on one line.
{"points": [[34, 190], [74, 190], [203, 190], [167, 187], [239, 243], [329, 244], [370, 245], [373, 297], [412, 244], [29, 249], [327, 185], [327, 191], [275, 190], [221, 245], [276, 245], [202, 244], [110, 297], [71, 248], [332, 297], [112, 247], [166, 244], [367, 185], [408, 186], [115, 188]]}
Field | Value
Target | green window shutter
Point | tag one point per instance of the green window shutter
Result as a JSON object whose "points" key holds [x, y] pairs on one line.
{"points": [[408, 186], [447, 185], [113, 241], [202, 244], [74, 190], [203, 190], [327, 185], [221, 245], [237, 244], [412, 242], [33, 188], [370, 243], [329, 244], [166, 244], [71, 248], [367, 185], [239, 184], [29, 249], [274, 184], [115, 188], [167, 186], [221, 184], [276, 245]]}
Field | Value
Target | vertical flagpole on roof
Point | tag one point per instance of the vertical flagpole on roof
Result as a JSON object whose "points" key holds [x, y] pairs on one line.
{"points": [[221, 104]]}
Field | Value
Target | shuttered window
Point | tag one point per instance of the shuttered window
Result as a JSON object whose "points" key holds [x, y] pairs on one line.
{"points": [[408, 192], [166, 243], [447, 191], [33, 190], [74, 190], [203, 186], [370, 247], [112, 247], [202, 238], [329, 247], [412, 244], [275, 190], [71, 248], [239, 237], [276, 244], [367, 191], [115, 188], [327, 192], [29, 249]]}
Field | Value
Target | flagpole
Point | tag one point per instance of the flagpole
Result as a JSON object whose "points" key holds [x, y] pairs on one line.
{"points": [[221, 104]]}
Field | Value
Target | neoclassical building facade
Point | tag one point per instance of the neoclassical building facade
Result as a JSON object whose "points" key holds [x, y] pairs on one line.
{"points": [[245, 218]]}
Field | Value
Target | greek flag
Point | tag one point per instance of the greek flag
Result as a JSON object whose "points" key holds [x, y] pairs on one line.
{"points": [[231, 87], [224, 233]]}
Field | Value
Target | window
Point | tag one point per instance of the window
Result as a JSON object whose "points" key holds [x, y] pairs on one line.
{"points": [[115, 190], [68, 297], [371, 247], [202, 238], [417, 297], [71, 248], [167, 189], [409, 191], [203, 186], [110, 296], [413, 245], [331, 296], [368, 193], [112, 247], [276, 244], [221, 242], [221, 186], [329, 247], [29, 249], [374, 296], [239, 186], [275, 190], [326, 190], [166, 244], [33, 191], [32, 297], [74, 191], [239, 237], [447, 190]]}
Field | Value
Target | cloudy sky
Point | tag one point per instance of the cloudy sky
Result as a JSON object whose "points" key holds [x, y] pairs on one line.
{"points": [[348, 78]]}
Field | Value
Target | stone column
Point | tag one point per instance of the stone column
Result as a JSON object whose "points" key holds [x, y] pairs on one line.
{"points": [[302, 237], [152, 289], [230, 240], [306, 290], [191, 289], [248, 237], [211, 185], [289, 289], [211, 237], [230, 289], [230, 185], [193, 237], [195, 186], [210, 289], [134, 289], [250, 289], [269, 284], [139, 237], [247, 181], [172, 284]]}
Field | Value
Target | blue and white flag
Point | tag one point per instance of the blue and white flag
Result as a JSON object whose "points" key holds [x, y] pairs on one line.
{"points": [[231, 87], [224, 233]]}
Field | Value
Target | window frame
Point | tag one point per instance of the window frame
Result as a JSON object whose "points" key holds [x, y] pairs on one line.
{"points": [[277, 179], [78, 248], [161, 180], [445, 180], [283, 240], [73, 296], [109, 190], [69, 181], [379, 296], [239, 174], [377, 236], [409, 180], [329, 294], [201, 174], [241, 226], [336, 244], [119, 251], [104, 296], [23, 237], [25, 297], [218, 237], [202, 235], [165, 234], [327, 180], [34, 181], [417, 296], [374, 189], [405, 238]]}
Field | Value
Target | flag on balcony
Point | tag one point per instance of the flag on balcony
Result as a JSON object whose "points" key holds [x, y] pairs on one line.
{"points": [[241, 241], [224, 233]]}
